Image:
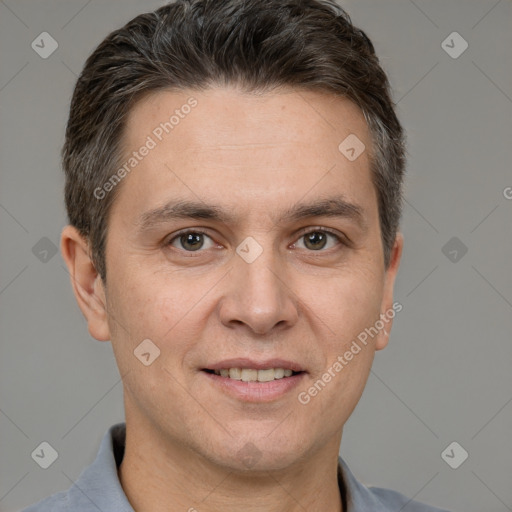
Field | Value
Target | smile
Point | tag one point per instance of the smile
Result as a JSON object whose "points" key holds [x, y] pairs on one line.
{"points": [[253, 375], [239, 379]]}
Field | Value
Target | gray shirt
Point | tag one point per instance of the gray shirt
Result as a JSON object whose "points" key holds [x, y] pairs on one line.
{"points": [[98, 487]]}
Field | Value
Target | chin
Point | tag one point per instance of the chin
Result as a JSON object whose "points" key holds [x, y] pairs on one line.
{"points": [[254, 455]]}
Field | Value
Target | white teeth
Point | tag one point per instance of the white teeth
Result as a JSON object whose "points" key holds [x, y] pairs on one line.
{"points": [[266, 375], [235, 373], [278, 373], [252, 375], [249, 375]]}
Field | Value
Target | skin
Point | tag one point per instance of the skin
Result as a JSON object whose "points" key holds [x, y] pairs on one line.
{"points": [[253, 155]]}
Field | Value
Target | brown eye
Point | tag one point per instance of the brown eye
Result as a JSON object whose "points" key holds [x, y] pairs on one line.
{"points": [[315, 240], [319, 239], [190, 241]]}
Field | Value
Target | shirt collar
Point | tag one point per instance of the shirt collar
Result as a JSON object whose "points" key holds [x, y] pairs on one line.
{"points": [[99, 483]]}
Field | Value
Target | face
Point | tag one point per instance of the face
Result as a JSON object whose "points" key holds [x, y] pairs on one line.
{"points": [[243, 241]]}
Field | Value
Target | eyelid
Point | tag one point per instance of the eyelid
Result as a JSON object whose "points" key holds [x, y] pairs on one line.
{"points": [[168, 241], [340, 237]]}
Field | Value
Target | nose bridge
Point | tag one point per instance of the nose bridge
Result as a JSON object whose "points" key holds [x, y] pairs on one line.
{"points": [[261, 276], [257, 267]]}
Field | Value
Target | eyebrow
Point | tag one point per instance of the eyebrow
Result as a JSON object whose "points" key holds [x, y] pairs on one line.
{"points": [[336, 207]]}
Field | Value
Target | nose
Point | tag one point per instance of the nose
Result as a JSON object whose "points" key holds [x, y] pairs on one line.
{"points": [[258, 297]]}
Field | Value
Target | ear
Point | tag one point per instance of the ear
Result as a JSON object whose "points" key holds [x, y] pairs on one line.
{"points": [[86, 282], [387, 308]]}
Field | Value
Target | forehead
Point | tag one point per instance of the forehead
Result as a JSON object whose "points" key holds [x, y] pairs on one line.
{"points": [[225, 115], [227, 146]]}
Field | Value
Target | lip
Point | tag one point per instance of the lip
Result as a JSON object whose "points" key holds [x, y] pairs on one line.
{"points": [[256, 365], [255, 392]]}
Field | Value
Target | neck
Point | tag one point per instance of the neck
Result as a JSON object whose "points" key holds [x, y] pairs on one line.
{"points": [[158, 475]]}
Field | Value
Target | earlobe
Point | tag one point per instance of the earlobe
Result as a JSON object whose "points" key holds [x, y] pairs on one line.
{"points": [[86, 282], [383, 337], [387, 307]]}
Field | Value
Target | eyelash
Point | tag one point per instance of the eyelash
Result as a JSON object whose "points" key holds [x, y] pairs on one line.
{"points": [[199, 231]]}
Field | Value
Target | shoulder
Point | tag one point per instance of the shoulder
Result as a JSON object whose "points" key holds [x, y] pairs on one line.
{"points": [[98, 486], [394, 500], [360, 497]]}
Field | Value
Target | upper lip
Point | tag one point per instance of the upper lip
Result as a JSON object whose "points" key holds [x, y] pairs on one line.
{"points": [[256, 365]]}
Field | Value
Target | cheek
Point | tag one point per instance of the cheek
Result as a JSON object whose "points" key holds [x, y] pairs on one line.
{"points": [[161, 308], [347, 305]]}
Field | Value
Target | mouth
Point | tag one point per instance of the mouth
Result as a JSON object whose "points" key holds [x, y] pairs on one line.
{"points": [[254, 381], [252, 374]]}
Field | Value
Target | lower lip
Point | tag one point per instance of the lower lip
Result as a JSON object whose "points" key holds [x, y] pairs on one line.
{"points": [[255, 391]]}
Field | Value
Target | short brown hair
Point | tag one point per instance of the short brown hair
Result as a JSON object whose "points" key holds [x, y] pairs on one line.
{"points": [[257, 45]]}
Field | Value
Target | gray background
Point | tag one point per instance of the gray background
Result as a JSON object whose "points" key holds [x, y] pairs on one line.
{"points": [[446, 374]]}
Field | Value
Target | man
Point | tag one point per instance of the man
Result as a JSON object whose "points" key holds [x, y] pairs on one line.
{"points": [[233, 186]]}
